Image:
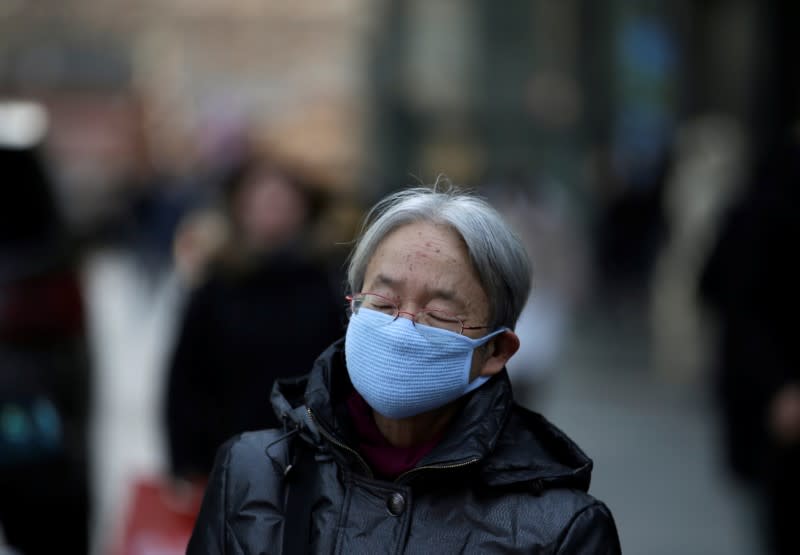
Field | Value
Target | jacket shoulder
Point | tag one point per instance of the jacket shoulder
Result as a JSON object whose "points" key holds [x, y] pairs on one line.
{"points": [[248, 473], [591, 530], [566, 520], [255, 462], [544, 477], [250, 444]]}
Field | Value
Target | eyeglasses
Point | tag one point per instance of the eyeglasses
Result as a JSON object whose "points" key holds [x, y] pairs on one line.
{"points": [[427, 317]]}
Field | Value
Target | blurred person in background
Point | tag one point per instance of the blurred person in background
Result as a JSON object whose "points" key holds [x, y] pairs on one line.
{"points": [[116, 184], [44, 373], [264, 307], [629, 230], [539, 213], [750, 282], [405, 436], [710, 162]]}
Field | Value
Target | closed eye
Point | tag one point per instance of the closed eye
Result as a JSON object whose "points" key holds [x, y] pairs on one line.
{"points": [[440, 316]]}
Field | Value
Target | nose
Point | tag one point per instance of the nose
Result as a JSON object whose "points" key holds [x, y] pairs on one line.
{"points": [[410, 315]]}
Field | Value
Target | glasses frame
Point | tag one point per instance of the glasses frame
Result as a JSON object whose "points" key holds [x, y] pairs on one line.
{"points": [[352, 299]]}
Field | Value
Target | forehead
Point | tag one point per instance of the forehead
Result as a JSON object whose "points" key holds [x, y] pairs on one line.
{"points": [[422, 240], [424, 258]]}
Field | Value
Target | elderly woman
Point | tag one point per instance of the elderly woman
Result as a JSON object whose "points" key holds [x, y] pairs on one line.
{"points": [[405, 437]]}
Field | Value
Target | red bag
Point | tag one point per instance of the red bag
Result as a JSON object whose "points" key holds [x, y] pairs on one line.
{"points": [[160, 518]]}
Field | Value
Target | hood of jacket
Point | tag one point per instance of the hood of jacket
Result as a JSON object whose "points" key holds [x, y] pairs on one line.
{"points": [[506, 444]]}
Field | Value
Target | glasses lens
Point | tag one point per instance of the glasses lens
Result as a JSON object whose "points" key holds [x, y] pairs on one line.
{"points": [[427, 321], [374, 302], [440, 320]]}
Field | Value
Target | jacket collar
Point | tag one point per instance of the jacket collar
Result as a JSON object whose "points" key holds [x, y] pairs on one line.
{"points": [[506, 443]]}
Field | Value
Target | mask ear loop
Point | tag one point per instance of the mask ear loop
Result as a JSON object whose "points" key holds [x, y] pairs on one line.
{"points": [[484, 341]]}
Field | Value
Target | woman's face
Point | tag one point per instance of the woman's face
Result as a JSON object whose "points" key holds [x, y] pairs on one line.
{"points": [[269, 210], [426, 266]]}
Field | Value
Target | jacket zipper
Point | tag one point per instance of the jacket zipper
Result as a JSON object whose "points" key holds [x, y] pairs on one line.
{"points": [[435, 467], [366, 467], [338, 443]]}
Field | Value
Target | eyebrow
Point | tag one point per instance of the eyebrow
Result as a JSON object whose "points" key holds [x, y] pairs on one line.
{"points": [[444, 294], [383, 279]]}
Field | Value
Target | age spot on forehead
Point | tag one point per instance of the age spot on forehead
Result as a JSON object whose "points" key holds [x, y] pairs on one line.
{"points": [[433, 245]]}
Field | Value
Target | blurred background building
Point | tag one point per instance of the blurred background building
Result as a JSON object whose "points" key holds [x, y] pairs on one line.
{"points": [[617, 136]]}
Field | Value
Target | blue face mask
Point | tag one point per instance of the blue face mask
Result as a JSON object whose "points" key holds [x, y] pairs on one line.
{"points": [[401, 371]]}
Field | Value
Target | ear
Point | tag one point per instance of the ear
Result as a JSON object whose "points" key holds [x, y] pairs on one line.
{"points": [[498, 351]]}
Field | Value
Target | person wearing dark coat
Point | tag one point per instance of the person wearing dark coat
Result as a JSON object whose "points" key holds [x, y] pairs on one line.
{"points": [[265, 310], [405, 437], [749, 282], [45, 374]]}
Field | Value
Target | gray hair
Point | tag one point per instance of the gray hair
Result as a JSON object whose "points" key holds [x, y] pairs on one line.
{"points": [[495, 251]]}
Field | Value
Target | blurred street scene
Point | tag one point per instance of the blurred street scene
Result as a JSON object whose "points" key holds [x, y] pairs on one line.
{"points": [[180, 182]]}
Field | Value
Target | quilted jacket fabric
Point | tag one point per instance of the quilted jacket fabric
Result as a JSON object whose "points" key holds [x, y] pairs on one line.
{"points": [[503, 480]]}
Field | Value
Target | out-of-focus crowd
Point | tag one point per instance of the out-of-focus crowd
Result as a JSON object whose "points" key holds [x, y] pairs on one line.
{"points": [[250, 237], [254, 245]]}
